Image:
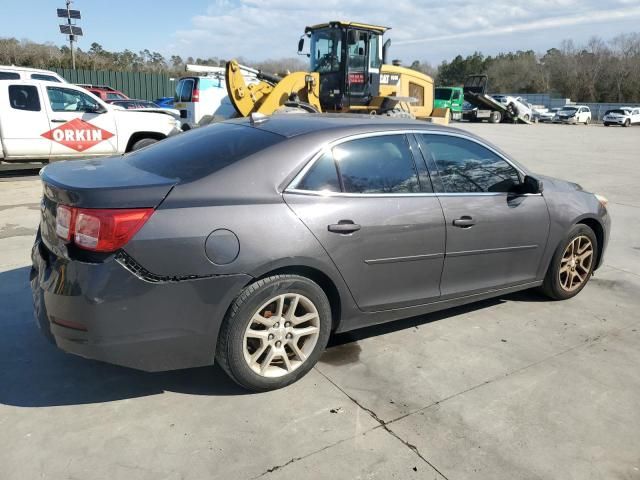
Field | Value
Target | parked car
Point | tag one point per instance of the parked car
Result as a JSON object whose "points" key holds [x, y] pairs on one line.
{"points": [[573, 114], [146, 105], [49, 121], [625, 116], [164, 102], [547, 116], [242, 240], [11, 72], [104, 92]]}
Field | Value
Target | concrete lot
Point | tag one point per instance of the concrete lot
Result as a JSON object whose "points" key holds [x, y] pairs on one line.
{"points": [[513, 388]]}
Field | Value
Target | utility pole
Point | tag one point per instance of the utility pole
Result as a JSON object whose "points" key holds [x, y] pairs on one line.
{"points": [[70, 28]]}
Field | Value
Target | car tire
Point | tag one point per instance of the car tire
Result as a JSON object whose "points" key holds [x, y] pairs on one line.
{"points": [[144, 142], [626, 123], [495, 117], [587, 121], [606, 124], [572, 264], [260, 345]]}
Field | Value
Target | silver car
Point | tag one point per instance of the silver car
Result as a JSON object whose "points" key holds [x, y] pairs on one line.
{"points": [[250, 242]]}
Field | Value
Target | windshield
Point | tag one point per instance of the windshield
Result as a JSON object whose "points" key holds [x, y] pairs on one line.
{"points": [[618, 112], [443, 93], [569, 110], [326, 50]]}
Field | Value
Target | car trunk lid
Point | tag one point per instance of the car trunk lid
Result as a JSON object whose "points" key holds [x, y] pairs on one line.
{"points": [[105, 183]]}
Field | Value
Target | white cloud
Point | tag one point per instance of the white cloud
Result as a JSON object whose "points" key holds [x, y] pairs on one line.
{"points": [[259, 29]]}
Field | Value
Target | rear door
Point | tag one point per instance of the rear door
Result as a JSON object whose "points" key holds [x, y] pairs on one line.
{"points": [[23, 119], [376, 216], [79, 125], [494, 238]]}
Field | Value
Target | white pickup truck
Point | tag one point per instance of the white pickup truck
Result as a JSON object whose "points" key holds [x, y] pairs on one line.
{"points": [[46, 121]]}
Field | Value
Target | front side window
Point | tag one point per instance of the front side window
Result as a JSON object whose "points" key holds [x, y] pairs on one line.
{"points": [[382, 164], [468, 167], [67, 100], [326, 50], [24, 97], [443, 94]]}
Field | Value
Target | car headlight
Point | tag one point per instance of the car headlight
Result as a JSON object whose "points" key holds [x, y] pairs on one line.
{"points": [[601, 199]]}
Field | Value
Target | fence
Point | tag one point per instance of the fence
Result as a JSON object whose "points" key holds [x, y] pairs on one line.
{"points": [[597, 109], [148, 86]]}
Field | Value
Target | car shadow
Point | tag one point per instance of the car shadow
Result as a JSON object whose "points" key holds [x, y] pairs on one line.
{"points": [[34, 373]]}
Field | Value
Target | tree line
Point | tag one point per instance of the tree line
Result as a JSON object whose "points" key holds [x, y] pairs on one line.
{"points": [[600, 71]]}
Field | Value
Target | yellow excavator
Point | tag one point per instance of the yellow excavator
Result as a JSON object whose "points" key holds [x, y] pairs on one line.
{"points": [[348, 74]]}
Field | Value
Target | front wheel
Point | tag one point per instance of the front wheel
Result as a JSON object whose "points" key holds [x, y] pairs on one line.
{"points": [[572, 264], [144, 142], [274, 332], [627, 122]]}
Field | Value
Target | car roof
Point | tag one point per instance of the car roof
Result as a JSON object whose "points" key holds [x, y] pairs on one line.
{"points": [[297, 124], [27, 69]]}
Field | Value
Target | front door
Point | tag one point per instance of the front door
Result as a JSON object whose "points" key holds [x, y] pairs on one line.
{"points": [[24, 119], [76, 126], [376, 218], [494, 238]]}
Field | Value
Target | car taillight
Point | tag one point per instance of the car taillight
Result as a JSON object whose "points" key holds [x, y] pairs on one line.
{"points": [[65, 218], [195, 96], [100, 230]]}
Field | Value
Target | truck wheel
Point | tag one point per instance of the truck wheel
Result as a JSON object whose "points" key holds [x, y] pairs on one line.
{"points": [[495, 117], [274, 332], [144, 142]]}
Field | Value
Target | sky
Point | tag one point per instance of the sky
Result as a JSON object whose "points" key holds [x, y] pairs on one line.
{"points": [[425, 30]]}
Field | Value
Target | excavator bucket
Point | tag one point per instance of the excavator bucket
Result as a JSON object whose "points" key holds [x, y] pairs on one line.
{"points": [[270, 93]]}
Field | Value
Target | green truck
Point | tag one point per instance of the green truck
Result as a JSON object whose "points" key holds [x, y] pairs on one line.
{"points": [[451, 98]]}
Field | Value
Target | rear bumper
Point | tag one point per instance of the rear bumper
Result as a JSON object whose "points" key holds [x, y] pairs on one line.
{"points": [[105, 312]]}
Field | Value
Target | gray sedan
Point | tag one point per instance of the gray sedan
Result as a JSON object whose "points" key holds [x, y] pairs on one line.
{"points": [[249, 242]]}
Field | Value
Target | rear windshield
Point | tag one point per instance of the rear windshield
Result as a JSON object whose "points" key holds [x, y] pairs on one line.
{"points": [[202, 151], [184, 90]]}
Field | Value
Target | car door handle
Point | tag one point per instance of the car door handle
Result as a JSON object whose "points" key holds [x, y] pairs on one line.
{"points": [[344, 227], [464, 222], [58, 120]]}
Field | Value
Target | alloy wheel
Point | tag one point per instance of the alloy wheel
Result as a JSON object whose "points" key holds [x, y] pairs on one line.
{"points": [[281, 335], [576, 262]]}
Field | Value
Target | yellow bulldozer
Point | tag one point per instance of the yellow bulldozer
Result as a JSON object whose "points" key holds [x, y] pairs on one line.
{"points": [[348, 74]]}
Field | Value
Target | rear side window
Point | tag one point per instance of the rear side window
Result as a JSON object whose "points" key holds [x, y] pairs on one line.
{"points": [[114, 96], [202, 151], [24, 97], [467, 167], [322, 176], [9, 76], [48, 78], [382, 164]]}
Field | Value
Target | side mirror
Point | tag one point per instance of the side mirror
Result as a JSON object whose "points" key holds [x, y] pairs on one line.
{"points": [[532, 185], [300, 45]]}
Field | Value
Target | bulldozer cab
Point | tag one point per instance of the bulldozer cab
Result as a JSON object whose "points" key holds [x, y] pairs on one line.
{"points": [[348, 57]]}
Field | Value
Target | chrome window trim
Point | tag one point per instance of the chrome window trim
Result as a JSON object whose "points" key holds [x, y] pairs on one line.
{"points": [[330, 145]]}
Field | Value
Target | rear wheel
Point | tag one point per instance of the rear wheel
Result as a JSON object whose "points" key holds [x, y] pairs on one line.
{"points": [[144, 142], [274, 332], [495, 117], [572, 264], [587, 121]]}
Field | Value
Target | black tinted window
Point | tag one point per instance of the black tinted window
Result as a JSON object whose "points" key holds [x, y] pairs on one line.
{"points": [[48, 78], [24, 97], [184, 89], [377, 165], [202, 151], [466, 166], [322, 176], [9, 76]]}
